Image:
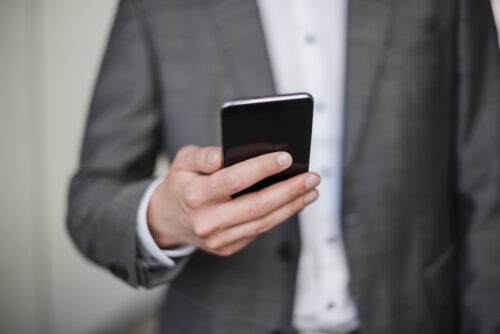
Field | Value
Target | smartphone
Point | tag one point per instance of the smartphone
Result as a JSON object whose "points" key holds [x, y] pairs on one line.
{"points": [[259, 125]]}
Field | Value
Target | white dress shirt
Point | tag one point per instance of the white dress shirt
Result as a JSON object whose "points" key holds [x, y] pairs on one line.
{"points": [[306, 45], [306, 42]]}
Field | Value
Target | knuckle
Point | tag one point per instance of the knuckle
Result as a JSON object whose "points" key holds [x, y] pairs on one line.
{"points": [[271, 166], [257, 208], [296, 190], [226, 252], [201, 157], [232, 181], [202, 228], [296, 206], [181, 154], [213, 243], [193, 198], [219, 215]]}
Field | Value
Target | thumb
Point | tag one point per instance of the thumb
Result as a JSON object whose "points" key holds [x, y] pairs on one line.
{"points": [[206, 160]]}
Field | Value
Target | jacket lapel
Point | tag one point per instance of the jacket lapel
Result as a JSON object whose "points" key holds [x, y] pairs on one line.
{"points": [[368, 38], [243, 49], [370, 23]]}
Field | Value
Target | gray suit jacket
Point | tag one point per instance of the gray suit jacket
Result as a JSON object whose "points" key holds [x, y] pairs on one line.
{"points": [[421, 183]]}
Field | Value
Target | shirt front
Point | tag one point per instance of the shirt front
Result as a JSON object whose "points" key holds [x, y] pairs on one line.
{"points": [[306, 44]]}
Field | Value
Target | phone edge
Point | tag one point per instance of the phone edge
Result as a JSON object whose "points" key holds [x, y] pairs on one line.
{"points": [[263, 99]]}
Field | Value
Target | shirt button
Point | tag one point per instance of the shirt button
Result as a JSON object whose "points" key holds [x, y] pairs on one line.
{"points": [[310, 39], [330, 305], [325, 172], [333, 239], [285, 252], [319, 106]]}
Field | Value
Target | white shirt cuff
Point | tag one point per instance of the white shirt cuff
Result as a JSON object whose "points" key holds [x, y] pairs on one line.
{"points": [[146, 240]]}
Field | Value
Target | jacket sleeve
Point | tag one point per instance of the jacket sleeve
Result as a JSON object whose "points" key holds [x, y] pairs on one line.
{"points": [[478, 167], [122, 139]]}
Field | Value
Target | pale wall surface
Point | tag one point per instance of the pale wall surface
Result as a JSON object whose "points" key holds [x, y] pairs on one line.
{"points": [[17, 285], [50, 52]]}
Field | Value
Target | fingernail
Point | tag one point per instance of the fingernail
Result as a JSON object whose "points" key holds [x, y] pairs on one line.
{"points": [[213, 156], [284, 159], [312, 181], [311, 196]]}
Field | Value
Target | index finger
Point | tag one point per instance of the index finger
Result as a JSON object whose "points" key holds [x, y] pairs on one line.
{"points": [[233, 179]]}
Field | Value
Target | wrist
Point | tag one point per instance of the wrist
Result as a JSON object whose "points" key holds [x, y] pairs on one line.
{"points": [[156, 224]]}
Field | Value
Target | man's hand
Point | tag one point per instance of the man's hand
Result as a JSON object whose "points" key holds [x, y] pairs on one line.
{"points": [[193, 205]]}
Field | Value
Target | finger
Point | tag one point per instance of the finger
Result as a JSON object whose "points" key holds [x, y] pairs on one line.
{"points": [[234, 247], [263, 224], [233, 179], [261, 203], [224, 249], [204, 160]]}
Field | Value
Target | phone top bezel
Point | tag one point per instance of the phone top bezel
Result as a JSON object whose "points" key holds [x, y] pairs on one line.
{"points": [[265, 99]]}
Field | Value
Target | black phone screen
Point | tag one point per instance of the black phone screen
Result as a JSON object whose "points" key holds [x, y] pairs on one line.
{"points": [[255, 126]]}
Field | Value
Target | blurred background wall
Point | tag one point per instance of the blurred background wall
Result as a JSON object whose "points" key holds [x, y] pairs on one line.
{"points": [[50, 51]]}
